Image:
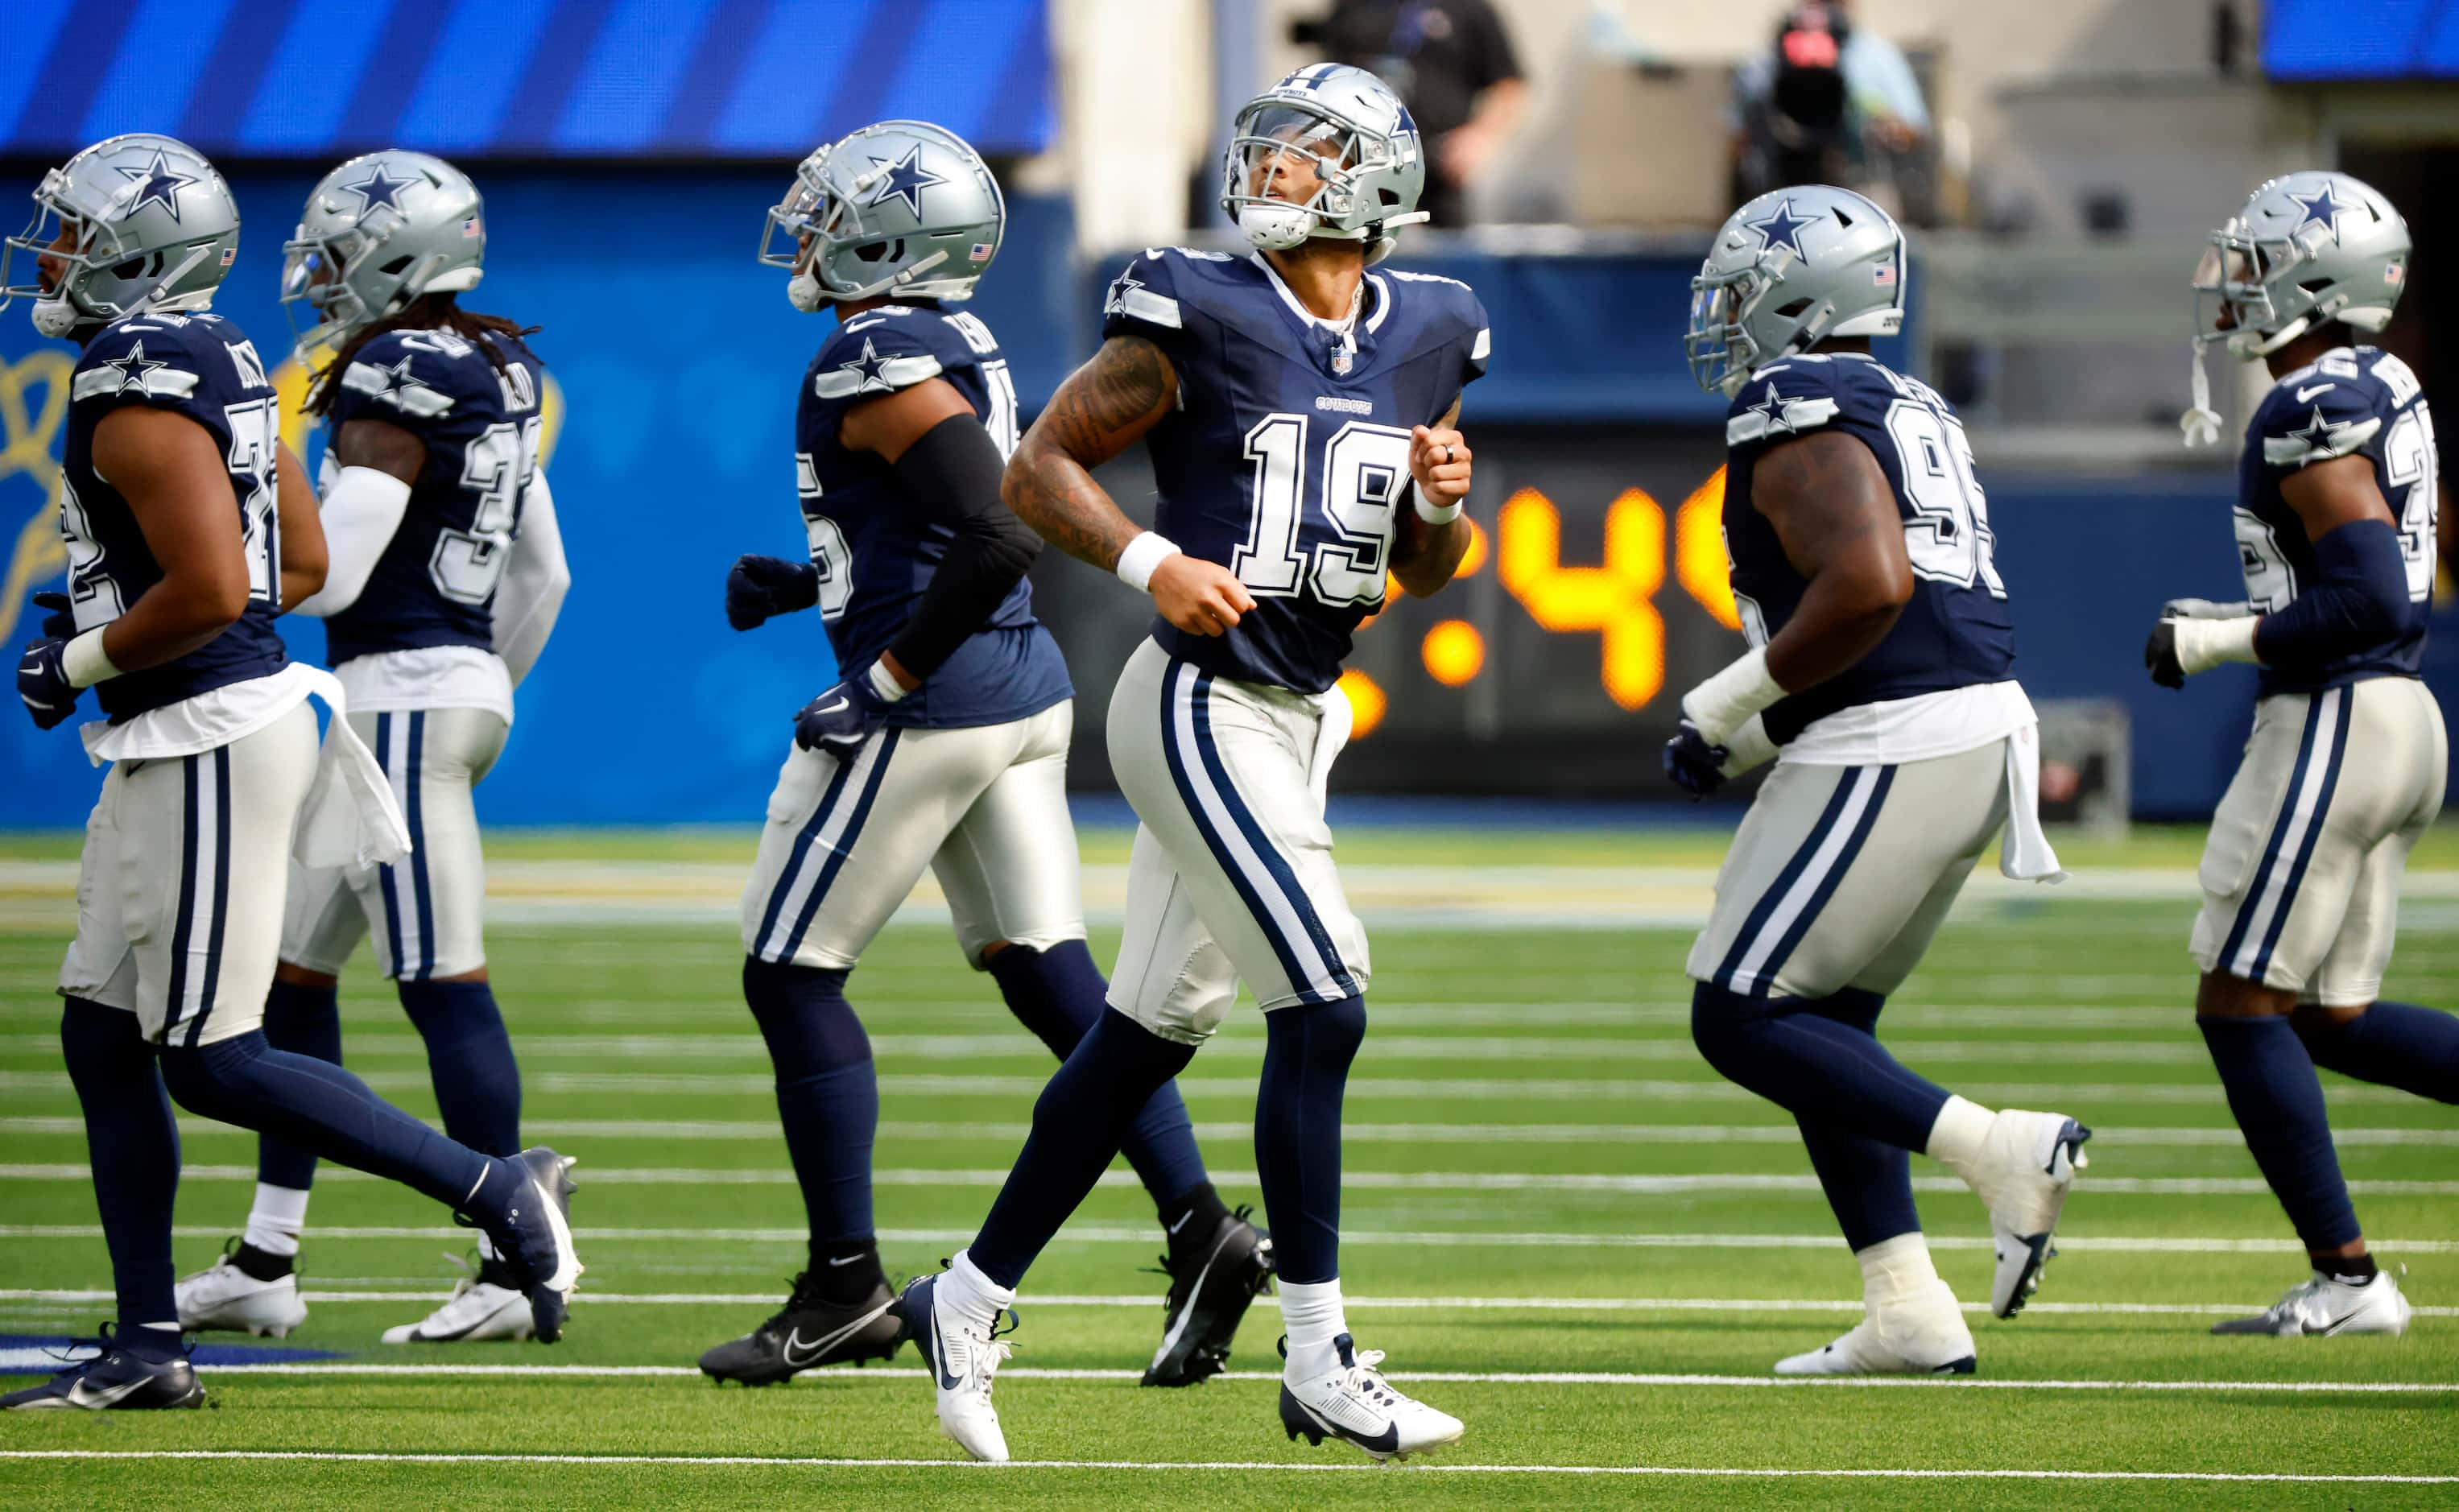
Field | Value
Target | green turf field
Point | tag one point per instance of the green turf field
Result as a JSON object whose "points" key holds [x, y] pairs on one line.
{"points": [[1561, 1227]]}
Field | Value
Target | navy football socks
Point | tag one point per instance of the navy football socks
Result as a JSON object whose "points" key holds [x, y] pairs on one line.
{"points": [[1308, 1048], [322, 1109], [1868, 1183], [1813, 1066], [469, 1057], [1079, 1124], [132, 1144], [1059, 994], [2392, 1044], [2277, 1101], [308, 1022], [827, 1097]]}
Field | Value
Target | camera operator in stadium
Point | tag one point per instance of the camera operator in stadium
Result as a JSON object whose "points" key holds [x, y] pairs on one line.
{"points": [[1451, 62], [1829, 102]]}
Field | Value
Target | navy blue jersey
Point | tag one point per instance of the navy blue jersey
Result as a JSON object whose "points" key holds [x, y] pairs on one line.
{"points": [[876, 551], [435, 583], [1287, 455], [204, 367], [2355, 399], [1954, 631]]}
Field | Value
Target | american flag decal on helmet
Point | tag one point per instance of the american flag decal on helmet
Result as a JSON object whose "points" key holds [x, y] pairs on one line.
{"points": [[1883, 275], [981, 252], [2392, 273], [471, 228], [230, 254]]}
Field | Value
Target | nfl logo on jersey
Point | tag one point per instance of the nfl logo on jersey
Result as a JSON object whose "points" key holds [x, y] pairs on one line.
{"points": [[1341, 361]]}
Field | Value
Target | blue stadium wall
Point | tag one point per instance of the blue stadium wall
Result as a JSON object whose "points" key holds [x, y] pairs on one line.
{"points": [[679, 361]]}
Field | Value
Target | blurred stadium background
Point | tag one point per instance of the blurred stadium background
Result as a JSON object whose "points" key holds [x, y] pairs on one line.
{"points": [[2064, 163]]}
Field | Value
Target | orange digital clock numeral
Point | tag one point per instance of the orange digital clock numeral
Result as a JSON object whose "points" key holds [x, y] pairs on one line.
{"points": [[1615, 601]]}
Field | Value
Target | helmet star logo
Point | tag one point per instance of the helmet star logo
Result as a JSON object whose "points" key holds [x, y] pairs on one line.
{"points": [[904, 179], [158, 183], [1782, 228], [377, 188], [2322, 209], [135, 369], [869, 368]]}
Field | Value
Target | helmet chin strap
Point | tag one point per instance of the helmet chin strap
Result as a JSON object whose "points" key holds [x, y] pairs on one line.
{"points": [[58, 315], [892, 281], [2200, 423]]}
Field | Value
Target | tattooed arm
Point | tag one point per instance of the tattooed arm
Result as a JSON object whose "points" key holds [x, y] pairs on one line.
{"points": [[1837, 517], [1099, 411], [1424, 557]]}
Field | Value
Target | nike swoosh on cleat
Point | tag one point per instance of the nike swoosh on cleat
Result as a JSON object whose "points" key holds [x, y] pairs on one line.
{"points": [[822, 1345], [1186, 1315], [84, 1393], [847, 1261], [1183, 1221]]}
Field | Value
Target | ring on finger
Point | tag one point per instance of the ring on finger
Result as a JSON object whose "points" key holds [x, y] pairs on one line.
{"points": [[1447, 455]]}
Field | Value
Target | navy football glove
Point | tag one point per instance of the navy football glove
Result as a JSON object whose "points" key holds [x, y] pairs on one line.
{"points": [[43, 683], [761, 587], [1696, 767], [840, 720], [61, 620], [2160, 655]]}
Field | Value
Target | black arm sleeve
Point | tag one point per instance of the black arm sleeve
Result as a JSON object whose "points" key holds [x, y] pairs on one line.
{"points": [[952, 475]]}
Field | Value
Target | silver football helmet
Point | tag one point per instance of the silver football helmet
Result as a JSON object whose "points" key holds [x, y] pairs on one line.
{"points": [[1351, 149], [152, 226], [378, 232], [1789, 270], [2307, 248], [900, 206]]}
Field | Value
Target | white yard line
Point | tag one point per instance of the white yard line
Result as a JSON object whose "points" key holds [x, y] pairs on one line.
{"points": [[1143, 1302], [764, 1131], [1468, 1089], [1631, 1378], [1129, 1234], [1333, 1467], [1352, 1181]]}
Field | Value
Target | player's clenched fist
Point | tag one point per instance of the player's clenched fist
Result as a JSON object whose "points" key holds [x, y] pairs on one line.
{"points": [[1199, 596], [1438, 459]]}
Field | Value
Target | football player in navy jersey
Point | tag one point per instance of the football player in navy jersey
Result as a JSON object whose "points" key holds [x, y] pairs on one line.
{"points": [[1879, 680], [2337, 493], [1299, 409], [188, 528], [447, 573], [944, 743]]}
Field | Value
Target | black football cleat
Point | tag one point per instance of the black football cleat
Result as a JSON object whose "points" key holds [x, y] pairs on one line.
{"points": [[115, 1380], [1212, 1282], [534, 1237], [806, 1332]]}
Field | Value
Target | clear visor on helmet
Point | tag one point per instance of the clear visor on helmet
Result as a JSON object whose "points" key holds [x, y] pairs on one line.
{"points": [[1717, 344], [60, 231], [2233, 283], [1290, 155], [809, 211]]}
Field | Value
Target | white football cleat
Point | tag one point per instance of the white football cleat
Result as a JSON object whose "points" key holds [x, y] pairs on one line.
{"points": [[2324, 1304], [1344, 1396], [486, 1304], [1924, 1336], [223, 1297], [2023, 1174], [962, 1358]]}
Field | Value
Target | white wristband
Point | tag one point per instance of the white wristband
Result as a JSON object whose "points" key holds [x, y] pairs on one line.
{"points": [[1142, 555], [1723, 703], [85, 661], [884, 683], [1428, 513], [2203, 644]]}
